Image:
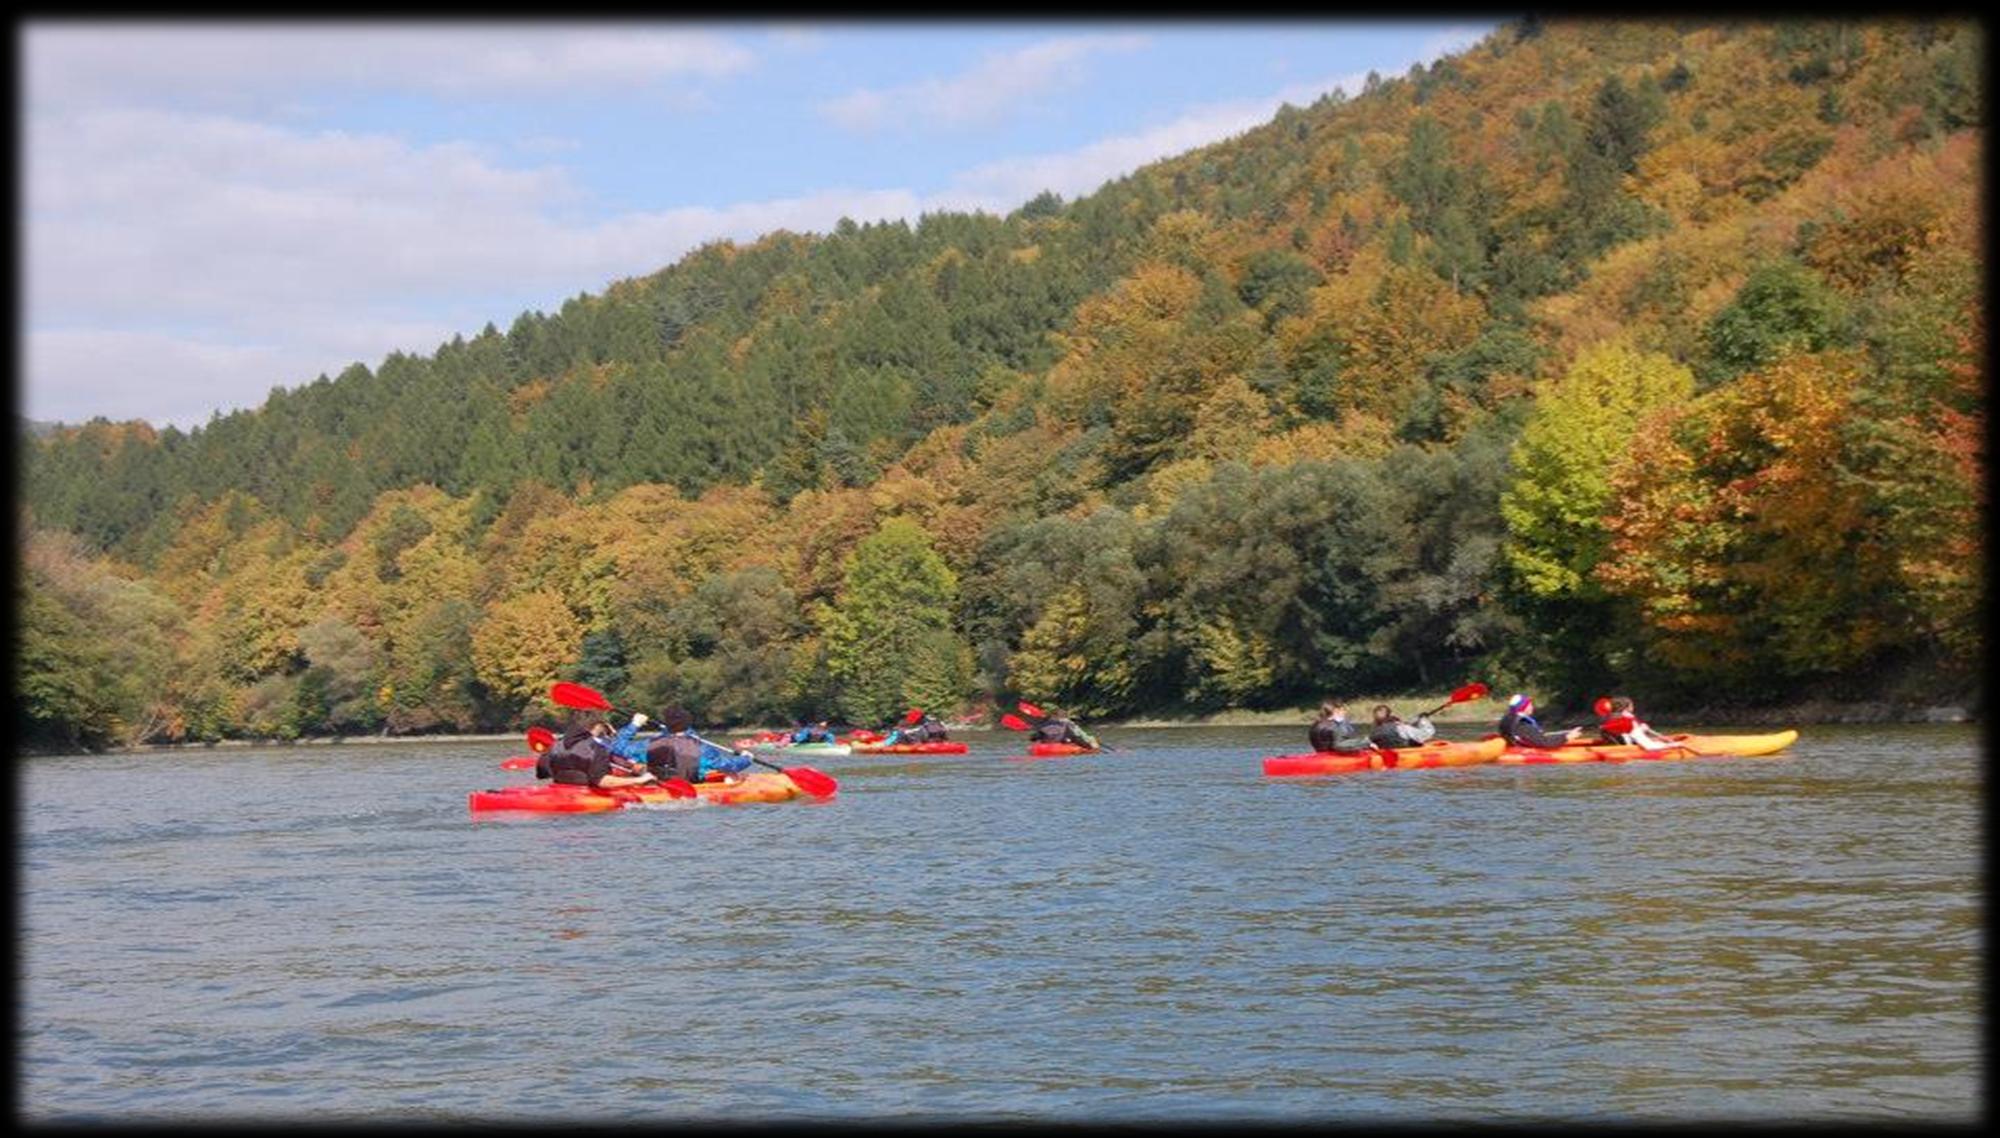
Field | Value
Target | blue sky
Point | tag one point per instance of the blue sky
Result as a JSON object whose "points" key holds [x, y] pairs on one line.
{"points": [[212, 210]]}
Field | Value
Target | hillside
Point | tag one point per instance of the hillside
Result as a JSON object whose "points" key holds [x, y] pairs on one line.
{"points": [[1598, 355]]}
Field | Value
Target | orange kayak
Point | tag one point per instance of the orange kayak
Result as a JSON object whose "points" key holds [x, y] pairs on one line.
{"points": [[562, 798], [1685, 747], [1436, 753]]}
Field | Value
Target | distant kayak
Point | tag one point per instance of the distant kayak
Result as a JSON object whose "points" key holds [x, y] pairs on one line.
{"points": [[562, 798], [1437, 753], [937, 747], [1685, 747], [800, 748], [1050, 750]]}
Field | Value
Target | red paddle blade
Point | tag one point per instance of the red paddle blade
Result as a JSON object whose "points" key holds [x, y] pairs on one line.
{"points": [[540, 739], [517, 763], [578, 696], [1031, 709], [816, 783], [912, 715], [1602, 706], [678, 787], [1014, 722], [1470, 691], [1618, 725]]}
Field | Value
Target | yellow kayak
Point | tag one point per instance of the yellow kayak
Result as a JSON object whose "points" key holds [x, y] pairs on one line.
{"points": [[1685, 747]]}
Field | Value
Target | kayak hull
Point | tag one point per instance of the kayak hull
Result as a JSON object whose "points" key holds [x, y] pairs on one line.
{"points": [[1051, 750], [561, 798], [1686, 747], [801, 748], [937, 747], [1429, 755]]}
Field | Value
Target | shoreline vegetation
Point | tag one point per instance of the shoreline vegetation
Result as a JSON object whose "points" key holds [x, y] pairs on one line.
{"points": [[1667, 378], [1822, 712]]}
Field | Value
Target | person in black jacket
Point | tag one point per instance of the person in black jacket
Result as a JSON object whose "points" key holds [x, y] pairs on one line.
{"points": [[1333, 731], [1391, 731], [1060, 728], [1519, 728], [580, 758]]}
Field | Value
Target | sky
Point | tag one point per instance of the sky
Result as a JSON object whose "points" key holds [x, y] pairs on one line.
{"points": [[211, 210]]}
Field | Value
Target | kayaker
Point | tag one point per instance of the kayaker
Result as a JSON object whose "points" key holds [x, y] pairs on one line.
{"points": [[929, 729], [1519, 728], [623, 744], [819, 732], [677, 753], [580, 758], [1332, 731], [1060, 728], [1639, 733], [1391, 732]]}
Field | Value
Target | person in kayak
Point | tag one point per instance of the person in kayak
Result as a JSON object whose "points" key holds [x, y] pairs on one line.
{"points": [[1519, 728], [926, 730], [676, 752], [1332, 731], [623, 742], [818, 732], [1391, 732], [580, 758], [1060, 728], [1638, 733]]}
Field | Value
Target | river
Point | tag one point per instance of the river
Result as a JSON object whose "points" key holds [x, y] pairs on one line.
{"points": [[1157, 934]]}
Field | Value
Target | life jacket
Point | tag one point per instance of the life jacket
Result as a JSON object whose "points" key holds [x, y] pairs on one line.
{"points": [[932, 728], [1058, 731], [577, 758], [674, 756]]}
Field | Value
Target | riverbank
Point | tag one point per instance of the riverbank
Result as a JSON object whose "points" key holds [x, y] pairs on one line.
{"points": [[1457, 719]]}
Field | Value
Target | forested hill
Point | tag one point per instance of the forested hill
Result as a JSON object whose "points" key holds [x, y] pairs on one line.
{"points": [[1599, 354]]}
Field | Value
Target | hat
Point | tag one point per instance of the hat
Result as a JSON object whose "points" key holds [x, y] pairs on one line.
{"points": [[1518, 701]]}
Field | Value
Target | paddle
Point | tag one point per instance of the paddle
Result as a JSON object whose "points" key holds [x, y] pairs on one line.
{"points": [[1472, 690], [815, 783]]}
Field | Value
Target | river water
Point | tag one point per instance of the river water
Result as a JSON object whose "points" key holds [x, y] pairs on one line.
{"points": [[1161, 933]]}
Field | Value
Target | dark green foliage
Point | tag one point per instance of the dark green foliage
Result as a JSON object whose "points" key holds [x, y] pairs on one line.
{"points": [[1783, 306]]}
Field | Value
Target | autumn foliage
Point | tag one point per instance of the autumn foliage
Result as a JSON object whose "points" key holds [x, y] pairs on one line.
{"points": [[1599, 354]]}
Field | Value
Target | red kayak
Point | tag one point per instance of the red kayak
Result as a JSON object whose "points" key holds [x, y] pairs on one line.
{"points": [[1051, 750], [519, 763]]}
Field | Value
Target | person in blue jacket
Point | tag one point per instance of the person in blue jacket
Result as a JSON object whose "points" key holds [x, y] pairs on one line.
{"points": [[818, 732], [677, 752]]}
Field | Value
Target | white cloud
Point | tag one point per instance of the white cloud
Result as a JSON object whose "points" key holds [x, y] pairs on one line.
{"points": [[82, 64], [236, 235], [1080, 171], [988, 91], [1453, 40]]}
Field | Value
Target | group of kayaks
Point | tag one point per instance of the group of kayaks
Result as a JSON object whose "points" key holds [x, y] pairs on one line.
{"points": [[857, 744], [778, 786], [757, 786], [1494, 749]]}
